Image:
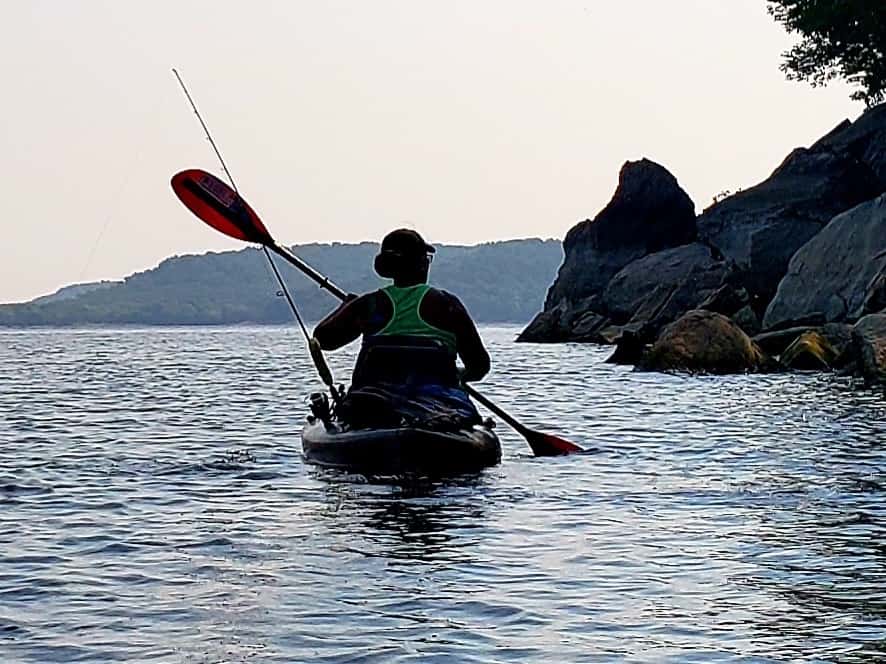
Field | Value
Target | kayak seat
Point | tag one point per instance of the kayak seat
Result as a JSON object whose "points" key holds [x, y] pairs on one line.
{"points": [[404, 361], [406, 381]]}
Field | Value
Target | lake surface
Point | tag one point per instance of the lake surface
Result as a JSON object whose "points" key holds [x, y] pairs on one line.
{"points": [[154, 506]]}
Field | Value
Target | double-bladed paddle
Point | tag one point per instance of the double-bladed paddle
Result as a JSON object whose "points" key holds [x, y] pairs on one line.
{"points": [[218, 205]]}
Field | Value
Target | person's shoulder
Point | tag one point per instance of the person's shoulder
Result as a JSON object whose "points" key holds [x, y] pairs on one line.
{"points": [[364, 302], [441, 294], [371, 295], [445, 298]]}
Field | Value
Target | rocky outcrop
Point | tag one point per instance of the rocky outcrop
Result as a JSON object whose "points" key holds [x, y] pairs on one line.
{"points": [[864, 139], [762, 227], [649, 212], [839, 273], [746, 318], [869, 338], [810, 352], [706, 342], [775, 343], [657, 289], [629, 349], [838, 335], [642, 262], [875, 300]]}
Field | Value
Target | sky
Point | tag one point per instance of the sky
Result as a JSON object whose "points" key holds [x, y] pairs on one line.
{"points": [[468, 120]]}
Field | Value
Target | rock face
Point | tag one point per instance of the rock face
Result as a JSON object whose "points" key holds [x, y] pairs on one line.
{"points": [[762, 227], [649, 212], [705, 342], [838, 273], [869, 337], [746, 318], [864, 139], [775, 343], [657, 289], [838, 335], [811, 351], [805, 247], [875, 300]]}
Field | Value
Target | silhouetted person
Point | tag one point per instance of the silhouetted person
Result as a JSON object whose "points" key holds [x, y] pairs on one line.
{"points": [[412, 334]]}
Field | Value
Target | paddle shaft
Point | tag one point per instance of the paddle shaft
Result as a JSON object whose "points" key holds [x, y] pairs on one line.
{"points": [[310, 272], [496, 409]]}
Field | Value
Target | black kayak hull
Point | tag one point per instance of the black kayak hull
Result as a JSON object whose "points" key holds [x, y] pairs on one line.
{"points": [[401, 450]]}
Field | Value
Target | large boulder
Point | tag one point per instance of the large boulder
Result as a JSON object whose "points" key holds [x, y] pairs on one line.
{"points": [[775, 342], [566, 322], [875, 300], [837, 274], [706, 342], [657, 289], [811, 351], [649, 212], [761, 228], [869, 336]]}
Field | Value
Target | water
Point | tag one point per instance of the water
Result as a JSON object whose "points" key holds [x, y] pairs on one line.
{"points": [[154, 507]]}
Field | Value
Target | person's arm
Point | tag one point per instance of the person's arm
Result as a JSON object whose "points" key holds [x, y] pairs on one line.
{"points": [[343, 325], [469, 344]]}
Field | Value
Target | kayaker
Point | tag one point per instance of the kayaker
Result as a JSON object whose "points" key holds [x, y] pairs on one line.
{"points": [[412, 334]]}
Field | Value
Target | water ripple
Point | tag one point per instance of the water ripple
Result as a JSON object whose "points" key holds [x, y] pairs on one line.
{"points": [[154, 507]]}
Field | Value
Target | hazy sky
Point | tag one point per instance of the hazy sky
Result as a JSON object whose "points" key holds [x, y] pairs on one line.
{"points": [[468, 120]]}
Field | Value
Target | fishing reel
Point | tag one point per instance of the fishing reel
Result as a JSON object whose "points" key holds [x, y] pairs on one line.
{"points": [[319, 404]]}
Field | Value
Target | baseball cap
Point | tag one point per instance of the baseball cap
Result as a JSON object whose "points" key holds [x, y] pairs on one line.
{"points": [[405, 242]]}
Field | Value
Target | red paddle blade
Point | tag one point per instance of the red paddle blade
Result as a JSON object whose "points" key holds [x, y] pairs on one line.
{"points": [[215, 203], [544, 444]]}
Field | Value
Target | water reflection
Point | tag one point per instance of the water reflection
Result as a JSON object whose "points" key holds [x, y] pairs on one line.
{"points": [[818, 550], [416, 519]]}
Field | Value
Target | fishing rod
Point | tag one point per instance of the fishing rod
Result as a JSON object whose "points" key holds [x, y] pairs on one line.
{"points": [[222, 207], [313, 345]]}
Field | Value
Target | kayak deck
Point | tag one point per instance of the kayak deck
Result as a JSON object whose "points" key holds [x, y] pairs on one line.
{"points": [[401, 450]]}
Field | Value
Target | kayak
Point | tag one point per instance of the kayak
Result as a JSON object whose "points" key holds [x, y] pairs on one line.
{"points": [[401, 449]]}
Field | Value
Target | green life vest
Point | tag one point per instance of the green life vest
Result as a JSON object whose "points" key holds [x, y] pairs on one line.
{"points": [[407, 320]]}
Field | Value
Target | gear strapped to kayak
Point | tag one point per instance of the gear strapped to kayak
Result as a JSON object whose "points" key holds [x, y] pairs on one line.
{"points": [[406, 380]]}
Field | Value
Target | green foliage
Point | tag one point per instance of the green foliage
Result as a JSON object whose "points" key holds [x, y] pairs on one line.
{"points": [[839, 39], [498, 282]]}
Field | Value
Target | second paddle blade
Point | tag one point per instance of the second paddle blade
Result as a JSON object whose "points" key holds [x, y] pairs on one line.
{"points": [[544, 444], [215, 203]]}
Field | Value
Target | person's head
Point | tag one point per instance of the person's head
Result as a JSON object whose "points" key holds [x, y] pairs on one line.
{"points": [[404, 257]]}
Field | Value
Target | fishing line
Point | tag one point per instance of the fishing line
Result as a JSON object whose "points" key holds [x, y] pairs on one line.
{"points": [[114, 209], [224, 166]]}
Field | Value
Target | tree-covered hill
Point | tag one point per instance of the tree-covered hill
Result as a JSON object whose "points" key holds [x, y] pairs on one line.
{"points": [[498, 282]]}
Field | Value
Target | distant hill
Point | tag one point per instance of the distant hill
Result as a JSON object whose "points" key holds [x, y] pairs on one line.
{"points": [[498, 282], [71, 292]]}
